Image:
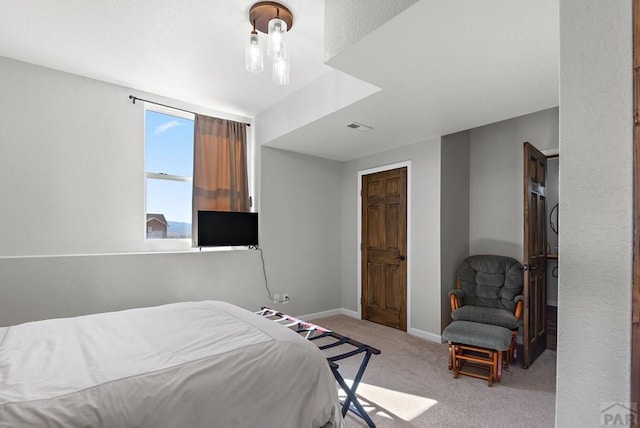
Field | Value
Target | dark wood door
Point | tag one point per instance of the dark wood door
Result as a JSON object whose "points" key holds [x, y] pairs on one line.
{"points": [[384, 248], [535, 254]]}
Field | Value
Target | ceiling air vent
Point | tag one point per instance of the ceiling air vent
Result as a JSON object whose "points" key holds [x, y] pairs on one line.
{"points": [[359, 126]]}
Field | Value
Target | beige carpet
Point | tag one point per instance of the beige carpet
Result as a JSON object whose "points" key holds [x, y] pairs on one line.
{"points": [[408, 384]]}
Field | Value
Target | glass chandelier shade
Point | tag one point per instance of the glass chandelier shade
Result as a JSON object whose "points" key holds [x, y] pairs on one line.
{"points": [[254, 58], [276, 42], [281, 69]]}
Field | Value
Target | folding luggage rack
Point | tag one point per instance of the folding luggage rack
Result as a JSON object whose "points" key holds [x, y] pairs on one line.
{"points": [[314, 332]]}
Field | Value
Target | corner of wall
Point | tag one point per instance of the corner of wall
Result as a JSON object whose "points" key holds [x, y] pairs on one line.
{"points": [[454, 213]]}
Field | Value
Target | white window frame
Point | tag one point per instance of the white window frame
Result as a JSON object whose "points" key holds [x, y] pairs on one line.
{"points": [[163, 244]]}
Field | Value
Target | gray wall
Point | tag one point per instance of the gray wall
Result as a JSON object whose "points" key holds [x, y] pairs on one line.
{"points": [[594, 296], [424, 246], [301, 229], [454, 213], [35, 288], [496, 211], [72, 164], [72, 181]]}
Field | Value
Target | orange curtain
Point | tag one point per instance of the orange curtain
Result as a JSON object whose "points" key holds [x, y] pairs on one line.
{"points": [[219, 167]]}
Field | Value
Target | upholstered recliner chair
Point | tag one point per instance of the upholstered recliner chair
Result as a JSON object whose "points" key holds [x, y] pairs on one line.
{"points": [[489, 291]]}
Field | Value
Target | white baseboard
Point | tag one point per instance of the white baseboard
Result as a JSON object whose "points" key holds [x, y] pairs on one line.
{"points": [[425, 335], [330, 313], [353, 314], [350, 313]]}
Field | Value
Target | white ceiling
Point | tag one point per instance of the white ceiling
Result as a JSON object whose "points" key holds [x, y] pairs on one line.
{"points": [[440, 66], [190, 50]]}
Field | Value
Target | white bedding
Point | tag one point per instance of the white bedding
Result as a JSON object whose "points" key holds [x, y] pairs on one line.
{"points": [[193, 364]]}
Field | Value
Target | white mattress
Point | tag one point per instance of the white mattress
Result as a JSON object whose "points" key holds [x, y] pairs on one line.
{"points": [[193, 364]]}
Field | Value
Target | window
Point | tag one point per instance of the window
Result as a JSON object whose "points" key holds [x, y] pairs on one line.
{"points": [[169, 172]]}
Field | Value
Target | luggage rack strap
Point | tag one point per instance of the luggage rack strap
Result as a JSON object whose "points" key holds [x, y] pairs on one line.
{"points": [[313, 332]]}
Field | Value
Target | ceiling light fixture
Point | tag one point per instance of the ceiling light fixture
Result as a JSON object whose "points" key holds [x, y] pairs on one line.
{"points": [[274, 19]]}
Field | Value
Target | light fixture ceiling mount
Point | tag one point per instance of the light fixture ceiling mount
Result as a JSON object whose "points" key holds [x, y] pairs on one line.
{"points": [[275, 20], [262, 12]]}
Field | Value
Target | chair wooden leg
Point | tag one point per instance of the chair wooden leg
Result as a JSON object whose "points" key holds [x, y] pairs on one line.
{"points": [[456, 362], [493, 360], [451, 356], [492, 368]]}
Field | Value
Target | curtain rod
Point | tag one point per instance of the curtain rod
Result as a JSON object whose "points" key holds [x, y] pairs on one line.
{"points": [[134, 99]]}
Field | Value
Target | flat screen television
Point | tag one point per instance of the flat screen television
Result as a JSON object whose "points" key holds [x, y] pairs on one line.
{"points": [[225, 228]]}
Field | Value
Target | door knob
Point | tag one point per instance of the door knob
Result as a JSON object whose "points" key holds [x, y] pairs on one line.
{"points": [[401, 258]]}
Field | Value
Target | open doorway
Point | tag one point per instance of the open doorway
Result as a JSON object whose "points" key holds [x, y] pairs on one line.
{"points": [[553, 250], [540, 252]]}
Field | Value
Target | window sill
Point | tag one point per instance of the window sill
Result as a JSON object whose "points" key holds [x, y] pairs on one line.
{"points": [[168, 245], [182, 246]]}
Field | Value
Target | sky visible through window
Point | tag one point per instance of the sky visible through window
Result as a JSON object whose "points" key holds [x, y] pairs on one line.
{"points": [[169, 150]]}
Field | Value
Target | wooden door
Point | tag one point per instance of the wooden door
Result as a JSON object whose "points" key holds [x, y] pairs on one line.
{"points": [[384, 248], [535, 254]]}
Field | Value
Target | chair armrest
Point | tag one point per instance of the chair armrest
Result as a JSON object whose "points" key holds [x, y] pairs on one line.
{"points": [[454, 298], [519, 306]]}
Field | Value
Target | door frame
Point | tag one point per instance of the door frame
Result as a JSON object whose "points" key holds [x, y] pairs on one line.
{"points": [[404, 164], [635, 269]]}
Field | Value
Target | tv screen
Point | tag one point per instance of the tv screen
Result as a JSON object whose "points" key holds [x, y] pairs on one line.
{"points": [[224, 228]]}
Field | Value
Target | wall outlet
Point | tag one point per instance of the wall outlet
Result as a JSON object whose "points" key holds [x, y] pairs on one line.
{"points": [[276, 298], [285, 298]]}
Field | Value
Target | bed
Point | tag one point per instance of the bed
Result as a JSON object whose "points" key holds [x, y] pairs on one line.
{"points": [[190, 364]]}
